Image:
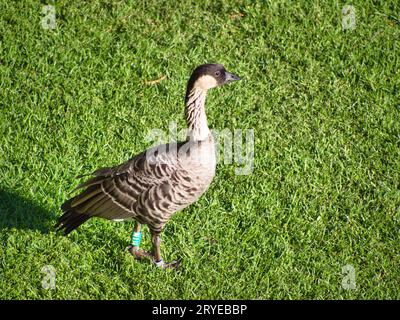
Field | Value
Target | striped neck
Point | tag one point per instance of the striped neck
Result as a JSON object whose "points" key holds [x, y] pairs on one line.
{"points": [[196, 114]]}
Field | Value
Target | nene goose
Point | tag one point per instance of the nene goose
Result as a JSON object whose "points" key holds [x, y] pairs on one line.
{"points": [[158, 182]]}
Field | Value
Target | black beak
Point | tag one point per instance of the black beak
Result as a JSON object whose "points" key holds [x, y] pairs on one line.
{"points": [[229, 77]]}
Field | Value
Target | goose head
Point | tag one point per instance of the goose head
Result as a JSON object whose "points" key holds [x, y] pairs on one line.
{"points": [[210, 75]]}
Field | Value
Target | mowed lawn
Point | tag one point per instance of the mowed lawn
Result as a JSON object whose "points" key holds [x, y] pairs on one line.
{"points": [[324, 106]]}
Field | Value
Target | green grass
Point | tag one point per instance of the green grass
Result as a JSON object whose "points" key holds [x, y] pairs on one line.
{"points": [[324, 106]]}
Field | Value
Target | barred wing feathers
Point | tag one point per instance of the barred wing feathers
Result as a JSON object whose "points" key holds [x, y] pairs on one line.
{"points": [[117, 192]]}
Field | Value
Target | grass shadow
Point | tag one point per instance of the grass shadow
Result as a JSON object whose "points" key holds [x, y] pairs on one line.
{"points": [[19, 212]]}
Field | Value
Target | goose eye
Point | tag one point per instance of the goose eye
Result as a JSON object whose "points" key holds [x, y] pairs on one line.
{"points": [[217, 73]]}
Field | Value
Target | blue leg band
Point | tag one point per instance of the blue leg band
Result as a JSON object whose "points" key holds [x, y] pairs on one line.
{"points": [[136, 238]]}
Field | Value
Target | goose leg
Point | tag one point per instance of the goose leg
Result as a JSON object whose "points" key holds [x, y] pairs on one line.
{"points": [[157, 259], [134, 247]]}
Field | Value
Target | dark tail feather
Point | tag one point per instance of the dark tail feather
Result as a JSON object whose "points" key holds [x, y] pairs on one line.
{"points": [[77, 209], [71, 219]]}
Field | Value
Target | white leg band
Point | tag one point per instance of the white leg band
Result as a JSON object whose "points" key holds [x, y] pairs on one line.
{"points": [[159, 263]]}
